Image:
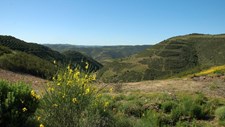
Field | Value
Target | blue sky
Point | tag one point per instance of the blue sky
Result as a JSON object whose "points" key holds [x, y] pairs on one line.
{"points": [[109, 22]]}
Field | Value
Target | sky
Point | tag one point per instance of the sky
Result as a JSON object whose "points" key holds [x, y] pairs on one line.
{"points": [[109, 22]]}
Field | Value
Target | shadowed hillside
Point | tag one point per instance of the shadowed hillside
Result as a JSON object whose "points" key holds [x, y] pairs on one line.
{"points": [[176, 56], [19, 56]]}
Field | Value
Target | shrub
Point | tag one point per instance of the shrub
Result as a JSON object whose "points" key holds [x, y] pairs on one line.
{"points": [[71, 100], [168, 106], [220, 114], [18, 103]]}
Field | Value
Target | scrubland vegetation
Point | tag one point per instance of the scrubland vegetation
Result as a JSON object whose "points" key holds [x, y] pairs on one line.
{"points": [[74, 99]]}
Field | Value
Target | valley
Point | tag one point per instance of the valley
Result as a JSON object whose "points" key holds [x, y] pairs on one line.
{"points": [[177, 82]]}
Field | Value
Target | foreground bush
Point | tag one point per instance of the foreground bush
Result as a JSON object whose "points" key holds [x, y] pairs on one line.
{"points": [[17, 104], [71, 101], [220, 114]]}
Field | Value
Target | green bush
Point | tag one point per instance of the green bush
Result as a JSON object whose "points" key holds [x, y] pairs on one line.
{"points": [[220, 114], [18, 103], [168, 106]]}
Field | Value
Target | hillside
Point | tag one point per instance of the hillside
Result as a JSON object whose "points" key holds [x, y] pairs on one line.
{"points": [[19, 56], [176, 56], [101, 53]]}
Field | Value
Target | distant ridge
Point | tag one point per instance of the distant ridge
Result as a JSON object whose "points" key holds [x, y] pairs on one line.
{"points": [[174, 57], [101, 53]]}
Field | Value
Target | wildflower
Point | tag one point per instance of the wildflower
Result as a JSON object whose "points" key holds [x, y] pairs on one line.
{"points": [[106, 104], [54, 62], [87, 65], [76, 75], [38, 118], [58, 84], [93, 77], [41, 125], [74, 100], [68, 67], [87, 90], [24, 109], [50, 89], [70, 71], [54, 105], [69, 82], [64, 95], [110, 90], [32, 93]]}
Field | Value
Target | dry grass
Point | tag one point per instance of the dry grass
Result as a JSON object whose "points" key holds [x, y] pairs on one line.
{"points": [[212, 88], [35, 82]]}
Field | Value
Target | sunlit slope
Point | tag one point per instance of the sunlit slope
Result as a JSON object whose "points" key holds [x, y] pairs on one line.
{"points": [[176, 56]]}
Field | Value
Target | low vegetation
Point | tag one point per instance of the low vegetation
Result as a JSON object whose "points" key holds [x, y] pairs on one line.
{"points": [[73, 98]]}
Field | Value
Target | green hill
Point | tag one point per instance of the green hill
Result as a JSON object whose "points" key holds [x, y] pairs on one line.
{"points": [[177, 56], [19, 56], [101, 53]]}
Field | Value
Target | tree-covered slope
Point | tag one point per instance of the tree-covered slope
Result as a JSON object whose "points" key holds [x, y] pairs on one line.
{"points": [[172, 57], [30, 48]]}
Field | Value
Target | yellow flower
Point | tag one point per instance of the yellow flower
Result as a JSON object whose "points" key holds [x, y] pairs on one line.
{"points": [[54, 105], [64, 95], [76, 75], [87, 91], [106, 104], [68, 67], [41, 125], [32, 93], [24, 109], [74, 100], [87, 65], [70, 71], [50, 89], [38, 118], [94, 77], [110, 90], [58, 84]]}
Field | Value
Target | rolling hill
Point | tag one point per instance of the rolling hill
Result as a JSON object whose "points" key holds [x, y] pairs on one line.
{"points": [[19, 56], [174, 57], [101, 53]]}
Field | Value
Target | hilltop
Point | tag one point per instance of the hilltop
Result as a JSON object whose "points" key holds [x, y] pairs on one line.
{"points": [[174, 57], [19, 56]]}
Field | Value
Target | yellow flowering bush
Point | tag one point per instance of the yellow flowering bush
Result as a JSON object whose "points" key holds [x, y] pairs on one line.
{"points": [[71, 100], [212, 70]]}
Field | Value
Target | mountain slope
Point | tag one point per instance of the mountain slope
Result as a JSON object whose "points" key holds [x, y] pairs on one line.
{"points": [[19, 56], [101, 53], [176, 56]]}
